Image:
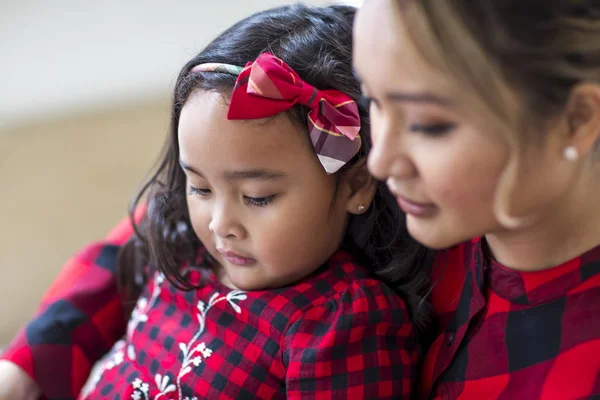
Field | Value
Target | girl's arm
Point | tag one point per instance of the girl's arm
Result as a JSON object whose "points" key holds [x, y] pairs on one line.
{"points": [[360, 346], [79, 319], [15, 383]]}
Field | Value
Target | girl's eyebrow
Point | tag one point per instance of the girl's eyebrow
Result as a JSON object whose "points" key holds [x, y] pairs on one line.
{"points": [[189, 168], [259, 174]]}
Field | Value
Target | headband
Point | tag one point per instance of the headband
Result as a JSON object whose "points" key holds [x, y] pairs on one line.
{"points": [[268, 86]]}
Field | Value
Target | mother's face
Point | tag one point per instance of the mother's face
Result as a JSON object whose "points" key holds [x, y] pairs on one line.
{"points": [[441, 163]]}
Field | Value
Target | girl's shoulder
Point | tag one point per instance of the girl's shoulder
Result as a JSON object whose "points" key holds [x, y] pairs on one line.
{"points": [[341, 288], [343, 319]]}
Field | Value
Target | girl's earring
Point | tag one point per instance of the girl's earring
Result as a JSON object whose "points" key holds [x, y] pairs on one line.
{"points": [[570, 153], [361, 208]]}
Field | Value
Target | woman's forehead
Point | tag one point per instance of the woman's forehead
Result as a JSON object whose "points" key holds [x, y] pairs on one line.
{"points": [[376, 32], [384, 54]]}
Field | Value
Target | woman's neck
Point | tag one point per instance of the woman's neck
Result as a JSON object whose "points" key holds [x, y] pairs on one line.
{"points": [[567, 230]]}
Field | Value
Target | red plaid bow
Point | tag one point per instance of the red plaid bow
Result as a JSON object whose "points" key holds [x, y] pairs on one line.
{"points": [[268, 86]]}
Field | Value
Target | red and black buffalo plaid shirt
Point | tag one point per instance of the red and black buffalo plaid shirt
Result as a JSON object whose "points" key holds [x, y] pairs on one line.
{"points": [[337, 334], [507, 334]]}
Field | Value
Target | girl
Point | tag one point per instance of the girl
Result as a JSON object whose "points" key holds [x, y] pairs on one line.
{"points": [[486, 124], [261, 219]]}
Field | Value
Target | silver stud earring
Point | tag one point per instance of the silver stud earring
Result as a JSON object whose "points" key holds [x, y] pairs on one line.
{"points": [[570, 153], [361, 208]]}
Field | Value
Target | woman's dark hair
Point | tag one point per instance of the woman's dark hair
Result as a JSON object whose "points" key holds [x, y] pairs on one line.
{"points": [[542, 50], [516, 61], [317, 44]]}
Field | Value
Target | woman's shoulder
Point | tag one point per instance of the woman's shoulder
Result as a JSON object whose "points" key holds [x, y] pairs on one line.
{"points": [[450, 272]]}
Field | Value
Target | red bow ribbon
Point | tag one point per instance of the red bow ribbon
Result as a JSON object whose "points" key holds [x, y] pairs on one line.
{"points": [[268, 86]]}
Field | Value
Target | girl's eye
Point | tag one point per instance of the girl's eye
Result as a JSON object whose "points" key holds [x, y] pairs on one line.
{"points": [[433, 129], [259, 201], [200, 191]]}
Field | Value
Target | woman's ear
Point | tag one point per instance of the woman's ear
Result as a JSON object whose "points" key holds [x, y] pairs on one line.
{"points": [[362, 187], [583, 116]]}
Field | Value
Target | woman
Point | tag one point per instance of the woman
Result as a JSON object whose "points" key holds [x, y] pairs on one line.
{"points": [[486, 126]]}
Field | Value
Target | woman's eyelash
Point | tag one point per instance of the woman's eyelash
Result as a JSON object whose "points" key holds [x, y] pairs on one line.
{"points": [[365, 101], [259, 201], [433, 129]]}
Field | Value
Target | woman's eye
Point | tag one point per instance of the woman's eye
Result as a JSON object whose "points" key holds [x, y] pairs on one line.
{"points": [[199, 191], [368, 102], [433, 129], [365, 101], [259, 201]]}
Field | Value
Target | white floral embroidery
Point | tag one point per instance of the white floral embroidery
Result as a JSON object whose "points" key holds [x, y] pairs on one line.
{"points": [[163, 384], [130, 352], [193, 354], [141, 389], [138, 315], [111, 361], [140, 312]]}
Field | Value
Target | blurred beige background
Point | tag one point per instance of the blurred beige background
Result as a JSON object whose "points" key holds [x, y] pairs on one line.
{"points": [[84, 100], [64, 183]]}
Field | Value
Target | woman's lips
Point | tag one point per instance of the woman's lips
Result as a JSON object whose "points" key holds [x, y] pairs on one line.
{"points": [[421, 210]]}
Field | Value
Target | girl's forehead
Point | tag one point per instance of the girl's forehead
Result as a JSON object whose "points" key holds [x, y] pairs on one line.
{"points": [[211, 142]]}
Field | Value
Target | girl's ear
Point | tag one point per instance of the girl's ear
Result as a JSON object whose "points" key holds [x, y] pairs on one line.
{"points": [[362, 187]]}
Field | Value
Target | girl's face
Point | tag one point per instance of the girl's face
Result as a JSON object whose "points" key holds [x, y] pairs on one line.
{"points": [[443, 162], [258, 198]]}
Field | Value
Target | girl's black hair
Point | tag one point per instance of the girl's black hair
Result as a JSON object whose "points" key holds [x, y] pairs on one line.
{"points": [[317, 44]]}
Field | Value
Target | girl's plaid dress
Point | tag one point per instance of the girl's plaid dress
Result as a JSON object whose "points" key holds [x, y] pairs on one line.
{"points": [[338, 334]]}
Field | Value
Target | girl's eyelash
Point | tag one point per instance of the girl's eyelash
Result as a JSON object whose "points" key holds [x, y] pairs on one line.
{"points": [[259, 201], [200, 191], [250, 201], [433, 129]]}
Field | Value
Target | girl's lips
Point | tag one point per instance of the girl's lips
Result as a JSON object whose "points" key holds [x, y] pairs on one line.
{"points": [[236, 259], [422, 210]]}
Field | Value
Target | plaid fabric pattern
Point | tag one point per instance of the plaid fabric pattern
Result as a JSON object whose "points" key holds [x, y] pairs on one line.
{"points": [[268, 86], [338, 334], [217, 67], [78, 321], [507, 334]]}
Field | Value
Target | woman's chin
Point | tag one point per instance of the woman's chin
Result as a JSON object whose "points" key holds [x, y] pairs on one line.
{"points": [[434, 236]]}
